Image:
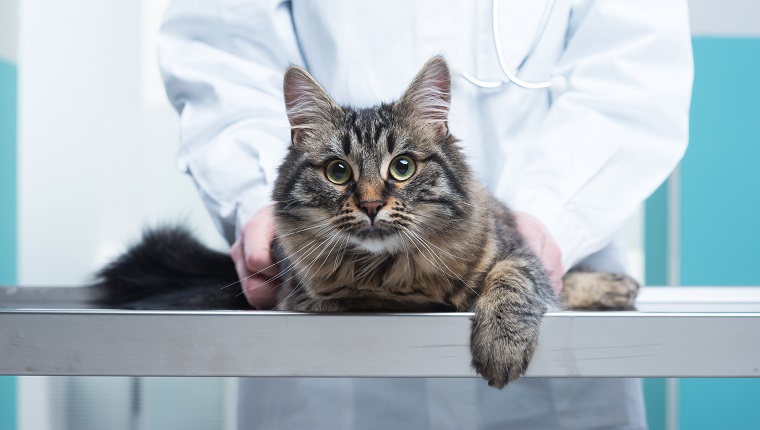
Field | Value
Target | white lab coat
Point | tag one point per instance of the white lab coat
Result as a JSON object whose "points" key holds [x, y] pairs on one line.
{"points": [[581, 157]]}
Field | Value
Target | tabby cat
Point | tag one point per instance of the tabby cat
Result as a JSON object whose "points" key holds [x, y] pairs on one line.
{"points": [[377, 210]]}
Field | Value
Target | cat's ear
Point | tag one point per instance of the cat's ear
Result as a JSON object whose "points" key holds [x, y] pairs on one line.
{"points": [[307, 104], [429, 96]]}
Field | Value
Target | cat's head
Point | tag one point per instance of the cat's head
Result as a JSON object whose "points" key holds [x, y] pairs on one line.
{"points": [[378, 178]]}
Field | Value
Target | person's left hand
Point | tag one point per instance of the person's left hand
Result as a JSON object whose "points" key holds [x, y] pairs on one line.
{"points": [[543, 244], [254, 264]]}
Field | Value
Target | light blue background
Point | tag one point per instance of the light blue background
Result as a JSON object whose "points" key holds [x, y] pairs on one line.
{"points": [[720, 206], [8, 93], [720, 219], [720, 199], [8, 97]]}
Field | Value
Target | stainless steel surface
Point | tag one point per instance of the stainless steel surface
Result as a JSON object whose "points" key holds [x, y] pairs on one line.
{"points": [[621, 344], [45, 297]]}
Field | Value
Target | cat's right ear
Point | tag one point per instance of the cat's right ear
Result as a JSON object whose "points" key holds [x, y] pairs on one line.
{"points": [[428, 97], [307, 104]]}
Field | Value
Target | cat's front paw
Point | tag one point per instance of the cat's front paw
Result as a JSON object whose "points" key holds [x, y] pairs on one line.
{"points": [[598, 291], [501, 352]]}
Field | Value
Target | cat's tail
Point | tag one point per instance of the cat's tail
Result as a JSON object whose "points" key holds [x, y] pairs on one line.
{"points": [[169, 269]]}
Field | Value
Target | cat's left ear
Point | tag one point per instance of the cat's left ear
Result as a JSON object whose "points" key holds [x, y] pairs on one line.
{"points": [[308, 105], [428, 97]]}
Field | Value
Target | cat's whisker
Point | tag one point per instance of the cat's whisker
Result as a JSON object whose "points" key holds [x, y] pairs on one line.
{"points": [[341, 253], [437, 247], [435, 219], [431, 220], [471, 205], [411, 239], [287, 203], [315, 244], [428, 246], [422, 215], [290, 267], [254, 274], [306, 269], [307, 228], [310, 265], [274, 264], [291, 203], [406, 250], [424, 243], [293, 232]]}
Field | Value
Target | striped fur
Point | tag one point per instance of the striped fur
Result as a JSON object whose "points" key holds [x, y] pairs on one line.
{"points": [[439, 241], [435, 241]]}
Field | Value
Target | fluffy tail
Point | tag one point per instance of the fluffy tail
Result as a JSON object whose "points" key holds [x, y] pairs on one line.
{"points": [[169, 269]]}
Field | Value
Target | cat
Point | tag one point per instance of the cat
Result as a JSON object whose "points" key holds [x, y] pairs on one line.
{"points": [[377, 210]]}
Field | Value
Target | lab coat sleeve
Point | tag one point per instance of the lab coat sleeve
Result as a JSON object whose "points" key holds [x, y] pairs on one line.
{"points": [[617, 130], [222, 63]]}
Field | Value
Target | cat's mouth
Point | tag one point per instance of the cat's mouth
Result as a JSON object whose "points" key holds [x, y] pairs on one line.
{"points": [[377, 239], [375, 231]]}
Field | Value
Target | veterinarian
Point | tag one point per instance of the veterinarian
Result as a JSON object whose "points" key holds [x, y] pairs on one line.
{"points": [[572, 112]]}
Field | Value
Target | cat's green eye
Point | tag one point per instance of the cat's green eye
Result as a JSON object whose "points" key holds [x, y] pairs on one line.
{"points": [[338, 172], [402, 168]]}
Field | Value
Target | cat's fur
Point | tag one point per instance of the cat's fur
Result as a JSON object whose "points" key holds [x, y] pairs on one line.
{"points": [[437, 241]]}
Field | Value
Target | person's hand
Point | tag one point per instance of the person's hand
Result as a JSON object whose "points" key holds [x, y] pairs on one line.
{"points": [[253, 259], [543, 244]]}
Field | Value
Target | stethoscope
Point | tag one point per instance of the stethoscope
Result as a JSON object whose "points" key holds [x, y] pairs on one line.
{"points": [[510, 76]]}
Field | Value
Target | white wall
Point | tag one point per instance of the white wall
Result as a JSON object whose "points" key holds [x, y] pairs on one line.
{"points": [[8, 30], [97, 140], [740, 18]]}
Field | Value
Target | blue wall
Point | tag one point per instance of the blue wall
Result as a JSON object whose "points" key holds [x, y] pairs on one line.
{"points": [[8, 96], [721, 171], [720, 219], [720, 206], [657, 273]]}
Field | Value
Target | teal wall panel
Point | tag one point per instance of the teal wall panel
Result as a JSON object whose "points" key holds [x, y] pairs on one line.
{"points": [[655, 403], [656, 273], [725, 404], [656, 237], [720, 199], [8, 103], [7, 403], [8, 94], [720, 210]]}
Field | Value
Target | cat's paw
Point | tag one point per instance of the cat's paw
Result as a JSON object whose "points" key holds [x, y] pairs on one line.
{"points": [[598, 291], [500, 352]]}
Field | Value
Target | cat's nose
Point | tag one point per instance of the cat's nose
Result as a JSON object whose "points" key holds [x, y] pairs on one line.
{"points": [[371, 207]]}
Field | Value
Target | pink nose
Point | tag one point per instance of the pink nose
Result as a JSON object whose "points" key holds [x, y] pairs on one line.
{"points": [[371, 207]]}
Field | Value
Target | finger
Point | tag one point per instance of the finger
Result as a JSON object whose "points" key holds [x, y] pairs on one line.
{"points": [[543, 245], [553, 259], [260, 291], [236, 251], [258, 235]]}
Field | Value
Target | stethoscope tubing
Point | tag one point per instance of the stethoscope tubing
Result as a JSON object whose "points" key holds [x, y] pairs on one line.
{"points": [[511, 76]]}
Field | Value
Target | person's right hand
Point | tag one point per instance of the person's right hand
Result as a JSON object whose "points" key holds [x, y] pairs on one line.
{"points": [[543, 244], [253, 260]]}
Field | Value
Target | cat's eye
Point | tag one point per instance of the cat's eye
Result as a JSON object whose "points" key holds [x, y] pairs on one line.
{"points": [[402, 168], [338, 172]]}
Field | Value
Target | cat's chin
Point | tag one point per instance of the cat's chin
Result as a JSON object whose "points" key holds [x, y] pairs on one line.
{"points": [[378, 241]]}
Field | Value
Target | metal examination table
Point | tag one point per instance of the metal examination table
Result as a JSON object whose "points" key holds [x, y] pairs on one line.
{"points": [[677, 332]]}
